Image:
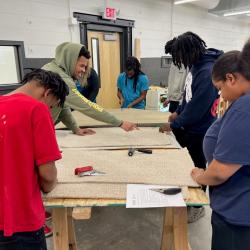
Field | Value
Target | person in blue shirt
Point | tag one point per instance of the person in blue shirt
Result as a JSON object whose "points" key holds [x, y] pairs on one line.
{"points": [[132, 85], [227, 150]]}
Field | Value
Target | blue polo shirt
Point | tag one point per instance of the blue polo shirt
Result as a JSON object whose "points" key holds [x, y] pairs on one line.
{"points": [[228, 141], [128, 92]]}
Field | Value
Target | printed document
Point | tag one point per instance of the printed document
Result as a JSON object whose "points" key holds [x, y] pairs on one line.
{"points": [[141, 196]]}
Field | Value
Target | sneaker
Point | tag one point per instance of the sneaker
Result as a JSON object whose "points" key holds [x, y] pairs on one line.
{"points": [[48, 216], [194, 213], [47, 231]]}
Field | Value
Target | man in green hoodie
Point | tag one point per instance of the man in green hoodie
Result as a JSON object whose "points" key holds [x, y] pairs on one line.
{"points": [[71, 63]]}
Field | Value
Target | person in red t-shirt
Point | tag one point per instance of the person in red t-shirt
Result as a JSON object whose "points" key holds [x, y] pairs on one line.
{"points": [[28, 151]]}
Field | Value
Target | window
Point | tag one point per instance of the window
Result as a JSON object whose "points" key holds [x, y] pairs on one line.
{"points": [[9, 65], [95, 54]]}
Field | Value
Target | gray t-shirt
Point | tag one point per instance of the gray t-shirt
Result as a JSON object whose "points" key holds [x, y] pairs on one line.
{"points": [[176, 81]]}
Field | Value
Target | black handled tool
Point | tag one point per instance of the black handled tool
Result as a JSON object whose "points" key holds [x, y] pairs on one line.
{"points": [[145, 151], [168, 191], [131, 151], [142, 150]]}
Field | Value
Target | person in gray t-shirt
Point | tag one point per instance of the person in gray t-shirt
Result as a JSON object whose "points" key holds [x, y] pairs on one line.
{"points": [[176, 82]]}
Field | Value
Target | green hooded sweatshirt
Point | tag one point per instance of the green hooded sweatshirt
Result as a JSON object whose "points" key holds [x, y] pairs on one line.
{"points": [[64, 64]]}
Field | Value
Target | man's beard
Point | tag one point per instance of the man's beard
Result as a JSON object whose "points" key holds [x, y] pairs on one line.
{"points": [[80, 77]]}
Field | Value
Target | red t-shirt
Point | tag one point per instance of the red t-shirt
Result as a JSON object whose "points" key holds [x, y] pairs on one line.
{"points": [[27, 140]]}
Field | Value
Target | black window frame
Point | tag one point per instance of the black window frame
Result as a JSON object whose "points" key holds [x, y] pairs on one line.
{"points": [[19, 45]]}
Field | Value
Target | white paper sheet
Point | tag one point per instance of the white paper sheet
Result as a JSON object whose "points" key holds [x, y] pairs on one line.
{"points": [[141, 196]]}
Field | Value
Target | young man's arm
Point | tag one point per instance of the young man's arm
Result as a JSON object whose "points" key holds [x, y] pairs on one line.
{"points": [[69, 121], [47, 176], [78, 102], [46, 150]]}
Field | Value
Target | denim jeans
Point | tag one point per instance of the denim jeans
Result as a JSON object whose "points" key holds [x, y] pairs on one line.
{"points": [[24, 241]]}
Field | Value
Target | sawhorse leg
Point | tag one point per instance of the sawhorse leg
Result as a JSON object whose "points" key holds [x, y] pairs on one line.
{"points": [[174, 234], [63, 229]]}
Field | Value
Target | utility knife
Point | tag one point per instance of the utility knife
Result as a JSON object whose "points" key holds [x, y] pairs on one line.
{"points": [[167, 191]]}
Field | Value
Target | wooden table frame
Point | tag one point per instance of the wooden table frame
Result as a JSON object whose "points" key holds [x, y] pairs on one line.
{"points": [[174, 234]]}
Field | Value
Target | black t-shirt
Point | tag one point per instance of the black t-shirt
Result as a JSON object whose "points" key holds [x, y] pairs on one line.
{"points": [[91, 90]]}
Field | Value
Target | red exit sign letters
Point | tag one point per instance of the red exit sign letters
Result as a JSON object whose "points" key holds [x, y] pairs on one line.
{"points": [[109, 13]]}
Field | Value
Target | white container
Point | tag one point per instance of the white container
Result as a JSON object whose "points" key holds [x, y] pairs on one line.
{"points": [[153, 98]]}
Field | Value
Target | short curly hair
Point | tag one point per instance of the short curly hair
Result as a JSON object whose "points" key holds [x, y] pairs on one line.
{"points": [[49, 80]]}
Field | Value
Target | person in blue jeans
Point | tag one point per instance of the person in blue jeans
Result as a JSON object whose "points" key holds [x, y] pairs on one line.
{"points": [[132, 85], [226, 147]]}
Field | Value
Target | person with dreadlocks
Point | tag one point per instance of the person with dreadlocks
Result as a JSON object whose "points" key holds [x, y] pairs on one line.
{"points": [[176, 81], [193, 117], [28, 151], [132, 85]]}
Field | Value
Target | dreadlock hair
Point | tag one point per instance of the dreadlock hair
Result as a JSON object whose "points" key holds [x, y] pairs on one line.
{"points": [[49, 80], [169, 45], [233, 62], [132, 63], [187, 49]]}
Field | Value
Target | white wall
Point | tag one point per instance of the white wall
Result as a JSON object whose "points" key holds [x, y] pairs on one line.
{"points": [[40, 24], [218, 32], [43, 24]]}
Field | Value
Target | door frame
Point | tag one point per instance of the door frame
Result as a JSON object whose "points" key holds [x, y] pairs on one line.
{"points": [[124, 27]]}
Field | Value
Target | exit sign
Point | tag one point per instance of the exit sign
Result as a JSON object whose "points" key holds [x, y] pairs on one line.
{"points": [[109, 13]]}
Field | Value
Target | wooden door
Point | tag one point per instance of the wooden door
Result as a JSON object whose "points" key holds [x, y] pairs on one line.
{"points": [[105, 59]]}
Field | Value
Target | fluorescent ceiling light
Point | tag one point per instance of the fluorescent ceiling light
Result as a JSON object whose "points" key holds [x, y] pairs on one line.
{"points": [[237, 13], [184, 1]]}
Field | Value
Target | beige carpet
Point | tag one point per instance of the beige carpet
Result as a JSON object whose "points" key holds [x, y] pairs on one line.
{"points": [[163, 167], [115, 138], [89, 190]]}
